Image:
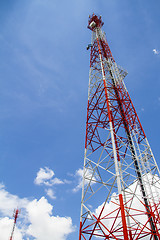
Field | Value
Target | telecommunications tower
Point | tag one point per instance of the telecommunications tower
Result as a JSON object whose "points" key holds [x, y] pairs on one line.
{"points": [[15, 215], [121, 179]]}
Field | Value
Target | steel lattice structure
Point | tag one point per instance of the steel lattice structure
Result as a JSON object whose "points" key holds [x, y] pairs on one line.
{"points": [[121, 184], [15, 215]]}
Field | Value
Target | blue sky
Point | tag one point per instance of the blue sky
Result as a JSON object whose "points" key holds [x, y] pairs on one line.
{"points": [[44, 75]]}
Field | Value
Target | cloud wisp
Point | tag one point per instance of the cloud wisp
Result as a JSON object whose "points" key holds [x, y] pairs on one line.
{"points": [[156, 52], [45, 177], [50, 193]]}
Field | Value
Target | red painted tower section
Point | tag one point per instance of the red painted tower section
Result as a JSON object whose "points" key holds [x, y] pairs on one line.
{"points": [[121, 179], [15, 215]]}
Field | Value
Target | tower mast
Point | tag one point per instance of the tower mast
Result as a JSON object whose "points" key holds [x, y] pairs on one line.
{"points": [[120, 192], [15, 215]]}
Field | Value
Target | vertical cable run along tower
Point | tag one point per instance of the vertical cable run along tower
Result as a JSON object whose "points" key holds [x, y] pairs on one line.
{"points": [[121, 184]]}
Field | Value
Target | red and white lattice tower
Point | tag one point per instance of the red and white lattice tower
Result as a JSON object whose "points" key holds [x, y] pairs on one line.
{"points": [[121, 184], [15, 215]]}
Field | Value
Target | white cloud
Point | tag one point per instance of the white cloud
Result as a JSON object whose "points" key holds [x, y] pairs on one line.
{"points": [[9, 202], [35, 219], [50, 193], [44, 225], [44, 176], [55, 181], [155, 51]]}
